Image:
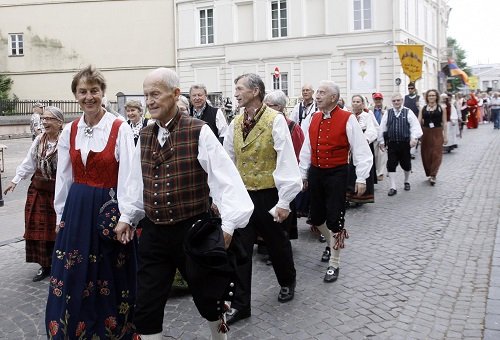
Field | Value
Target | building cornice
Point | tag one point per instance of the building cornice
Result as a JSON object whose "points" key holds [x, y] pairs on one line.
{"points": [[102, 69]]}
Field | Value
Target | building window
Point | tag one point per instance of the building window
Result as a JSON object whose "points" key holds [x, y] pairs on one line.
{"points": [[207, 26], [16, 44], [279, 18], [362, 14], [281, 82]]}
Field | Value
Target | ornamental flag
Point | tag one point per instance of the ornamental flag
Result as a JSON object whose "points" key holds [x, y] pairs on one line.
{"points": [[411, 57], [455, 71]]}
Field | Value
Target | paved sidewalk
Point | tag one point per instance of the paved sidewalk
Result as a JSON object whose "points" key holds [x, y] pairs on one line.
{"points": [[423, 264]]}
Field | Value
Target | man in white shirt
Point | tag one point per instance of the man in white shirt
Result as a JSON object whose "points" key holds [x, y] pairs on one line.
{"points": [[181, 162], [303, 111], [324, 159], [399, 132], [259, 143], [200, 109]]}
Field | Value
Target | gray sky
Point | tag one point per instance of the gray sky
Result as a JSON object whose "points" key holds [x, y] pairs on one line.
{"points": [[476, 25]]}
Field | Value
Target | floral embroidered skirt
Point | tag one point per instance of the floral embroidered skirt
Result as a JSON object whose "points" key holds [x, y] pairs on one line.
{"points": [[93, 279]]}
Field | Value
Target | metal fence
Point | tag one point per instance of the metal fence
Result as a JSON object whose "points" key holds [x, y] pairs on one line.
{"points": [[25, 107]]}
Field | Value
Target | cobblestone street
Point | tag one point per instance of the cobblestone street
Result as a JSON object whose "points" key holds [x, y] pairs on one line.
{"points": [[423, 264]]}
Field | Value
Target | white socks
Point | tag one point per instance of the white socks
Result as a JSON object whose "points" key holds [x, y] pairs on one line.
{"points": [[407, 176], [335, 254], [157, 336], [214, 326], [326, 233], [392, 177]]}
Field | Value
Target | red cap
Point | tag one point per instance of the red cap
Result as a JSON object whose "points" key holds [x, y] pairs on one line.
{"points": [[377, 95]]}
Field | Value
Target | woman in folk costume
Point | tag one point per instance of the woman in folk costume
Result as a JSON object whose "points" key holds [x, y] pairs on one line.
{"points": [[40, 218], [432, 118], [452, 121], [369, 125], [93, 279], [472, 106]]}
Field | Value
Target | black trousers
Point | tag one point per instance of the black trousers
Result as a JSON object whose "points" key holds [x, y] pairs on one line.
{"points": [[327, 193], [161, 252], [277, 242], [398, 153]]}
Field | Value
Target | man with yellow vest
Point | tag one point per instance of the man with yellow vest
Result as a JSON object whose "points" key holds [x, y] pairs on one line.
{"points": [[259, 143], [332, 135]]}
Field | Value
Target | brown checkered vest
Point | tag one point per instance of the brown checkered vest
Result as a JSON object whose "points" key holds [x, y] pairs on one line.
{"points": [[175, 184]]}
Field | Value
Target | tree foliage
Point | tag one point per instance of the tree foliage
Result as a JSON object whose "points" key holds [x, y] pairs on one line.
{"points": [[5, 86], [459, 55]]}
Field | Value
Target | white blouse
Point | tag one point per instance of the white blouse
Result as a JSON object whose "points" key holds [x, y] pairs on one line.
{"points": [[123, 154]]}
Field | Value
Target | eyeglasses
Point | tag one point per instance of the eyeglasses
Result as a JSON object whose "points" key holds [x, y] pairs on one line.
{"points": [[411, 88], [48, 119], [396, 100]]}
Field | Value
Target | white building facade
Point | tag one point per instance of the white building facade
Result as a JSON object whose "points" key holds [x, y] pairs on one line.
{"points": [[351, 42], [488, 76], [44, 43]]}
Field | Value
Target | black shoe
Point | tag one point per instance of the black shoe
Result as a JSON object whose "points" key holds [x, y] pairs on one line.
{"points": [[322, 239], [326, 255], [332, 274], [234, 315], [407, 186], [392, 192], [42, 273], [286, 293]]}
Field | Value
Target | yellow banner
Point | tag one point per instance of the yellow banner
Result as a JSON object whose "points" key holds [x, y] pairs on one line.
{"points": [[411, 57], [473, 82]]}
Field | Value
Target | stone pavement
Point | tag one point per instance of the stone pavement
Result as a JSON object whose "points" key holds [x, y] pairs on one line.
{"points": [[423, 264]]}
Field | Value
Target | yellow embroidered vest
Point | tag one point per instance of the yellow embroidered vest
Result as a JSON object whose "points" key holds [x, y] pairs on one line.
{"points": [[255, 156]]}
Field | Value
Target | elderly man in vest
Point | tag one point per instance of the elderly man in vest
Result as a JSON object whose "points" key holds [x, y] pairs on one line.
{"points": [[399, 132], [200, 109], [324, 160], [259, 143], [181, 162]]}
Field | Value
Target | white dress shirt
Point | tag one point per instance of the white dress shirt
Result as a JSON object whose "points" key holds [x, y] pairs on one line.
{"points": [[369, 124], [361, 154], [28, 165], [286, 175], [226, 186], [123, 154], [415, 128]]}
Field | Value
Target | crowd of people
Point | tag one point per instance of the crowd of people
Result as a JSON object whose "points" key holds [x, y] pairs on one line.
{"points": [[118, 206]]}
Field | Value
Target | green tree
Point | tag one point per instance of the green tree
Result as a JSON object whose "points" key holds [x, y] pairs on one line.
{"points": [[5, 86], [459, 55]]}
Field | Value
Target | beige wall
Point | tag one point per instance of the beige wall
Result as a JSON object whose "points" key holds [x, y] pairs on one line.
{"points": [[125, 39]]}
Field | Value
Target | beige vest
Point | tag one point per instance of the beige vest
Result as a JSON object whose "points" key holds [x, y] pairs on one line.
{"points": [[255, 156]]}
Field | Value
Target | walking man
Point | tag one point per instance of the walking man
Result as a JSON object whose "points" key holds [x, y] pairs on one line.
{"points": [[324, 160], [399, 131], [380, 157], [259, 143], [200, 109], [302, 111], [181, 162]]}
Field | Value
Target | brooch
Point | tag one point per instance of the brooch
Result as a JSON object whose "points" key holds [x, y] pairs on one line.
{"points": [[89, 131]]}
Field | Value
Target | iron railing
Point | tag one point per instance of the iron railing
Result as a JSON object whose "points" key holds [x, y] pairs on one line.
{"points": [[25, 107]]}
